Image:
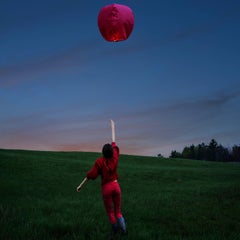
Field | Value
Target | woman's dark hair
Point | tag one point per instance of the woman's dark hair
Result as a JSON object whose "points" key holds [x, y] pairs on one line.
{"points": [[107, 150]]}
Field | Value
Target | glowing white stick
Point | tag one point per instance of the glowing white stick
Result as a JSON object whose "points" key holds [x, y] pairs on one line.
{"points": [[113, 130], [81, 184]]}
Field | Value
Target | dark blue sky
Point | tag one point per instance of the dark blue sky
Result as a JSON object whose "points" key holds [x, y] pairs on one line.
{"points": [[174, 82]]}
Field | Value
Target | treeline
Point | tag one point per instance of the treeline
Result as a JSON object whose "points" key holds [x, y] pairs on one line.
{"points": [[209, 152]]}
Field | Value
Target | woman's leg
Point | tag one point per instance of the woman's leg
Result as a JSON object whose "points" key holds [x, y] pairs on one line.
{"points": [[117, 207], [111, 194], [108, 202], [116, 196]]}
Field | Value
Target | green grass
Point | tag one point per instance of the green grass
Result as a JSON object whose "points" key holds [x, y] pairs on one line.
{"points": [[165, 199]]}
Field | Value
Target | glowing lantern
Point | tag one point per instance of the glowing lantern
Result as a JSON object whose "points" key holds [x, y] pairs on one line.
{"points": [[115, 22]]}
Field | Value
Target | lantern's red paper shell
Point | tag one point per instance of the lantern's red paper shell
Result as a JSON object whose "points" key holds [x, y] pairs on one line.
{"points": [[115, 22]]}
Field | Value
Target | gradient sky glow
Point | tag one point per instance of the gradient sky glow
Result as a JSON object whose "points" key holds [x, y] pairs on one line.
{"points": [[174, 82]]}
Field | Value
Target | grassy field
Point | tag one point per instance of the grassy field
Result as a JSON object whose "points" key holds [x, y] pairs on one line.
{"points": [[165, 199]]}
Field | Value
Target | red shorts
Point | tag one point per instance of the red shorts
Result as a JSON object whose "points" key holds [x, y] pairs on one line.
{"points": [[111, 194]]}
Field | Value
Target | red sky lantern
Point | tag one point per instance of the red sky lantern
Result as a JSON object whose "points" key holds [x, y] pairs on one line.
{"points": [[115, 22]]}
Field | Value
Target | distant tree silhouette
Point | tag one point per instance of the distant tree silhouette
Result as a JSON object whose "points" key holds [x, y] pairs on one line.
{"points": [[222, 154], [175, 154], [235, 153], [189, 152], [211, 152], [201, 151]]}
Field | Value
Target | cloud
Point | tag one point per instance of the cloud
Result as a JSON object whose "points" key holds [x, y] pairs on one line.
{"points": [[70, 58], [51, 127], [76, 56], [151, 129], [181, 121], [184, 33], [133, 44]]}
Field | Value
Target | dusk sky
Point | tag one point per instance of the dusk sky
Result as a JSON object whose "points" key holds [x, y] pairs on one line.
{"points": [[173, 83]]}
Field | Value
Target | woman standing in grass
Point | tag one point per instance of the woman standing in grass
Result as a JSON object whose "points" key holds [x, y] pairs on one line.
{"points": [[106, 166]]}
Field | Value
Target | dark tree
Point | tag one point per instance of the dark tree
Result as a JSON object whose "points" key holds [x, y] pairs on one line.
{"points": [[211, 150], [201, 150], [175, 154], [160, 155], [235, 154], [189, 152], [222, 154]]}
